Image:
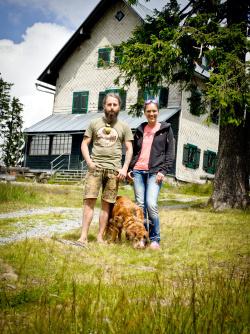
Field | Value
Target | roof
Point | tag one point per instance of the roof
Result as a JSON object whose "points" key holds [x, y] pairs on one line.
{"points": [[50, 74], [142, 11], [78, 123]]}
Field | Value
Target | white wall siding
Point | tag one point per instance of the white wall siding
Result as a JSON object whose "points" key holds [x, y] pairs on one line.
{"points": [[80, 72], [174, 97], [193, 130]]}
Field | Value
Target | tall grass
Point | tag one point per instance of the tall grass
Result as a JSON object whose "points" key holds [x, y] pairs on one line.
{"points": [[191, 189], [13, 196], [197, 283], [188, 303], [9, 192]]}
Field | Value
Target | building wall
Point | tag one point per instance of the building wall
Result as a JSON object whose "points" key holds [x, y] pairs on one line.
{"points": [[193, 130], [80, 72], [43, 162]]}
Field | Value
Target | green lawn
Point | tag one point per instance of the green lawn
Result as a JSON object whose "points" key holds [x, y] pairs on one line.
{"points": [[197, 283]]}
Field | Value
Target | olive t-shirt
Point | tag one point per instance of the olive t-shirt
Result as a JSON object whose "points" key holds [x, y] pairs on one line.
{"points": [[107, 144]]}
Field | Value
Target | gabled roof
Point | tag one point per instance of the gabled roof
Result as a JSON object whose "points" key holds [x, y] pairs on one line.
{"points": [[78, 123], [50, 74]]}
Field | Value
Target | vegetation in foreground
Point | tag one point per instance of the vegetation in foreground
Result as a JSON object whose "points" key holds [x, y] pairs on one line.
{"points": [[198, 282], [16, 197]]}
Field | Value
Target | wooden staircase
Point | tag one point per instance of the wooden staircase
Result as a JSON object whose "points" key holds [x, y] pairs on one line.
{"points": [[69, 176]]}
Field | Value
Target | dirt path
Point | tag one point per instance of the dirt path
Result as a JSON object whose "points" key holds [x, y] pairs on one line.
{"points": [[42, 228], [37, 228]]}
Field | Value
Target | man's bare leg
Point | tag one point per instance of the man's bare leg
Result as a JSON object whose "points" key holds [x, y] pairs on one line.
{"points": [[103, 219], [88, 212]]}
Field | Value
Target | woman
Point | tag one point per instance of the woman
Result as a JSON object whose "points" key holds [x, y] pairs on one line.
{"points": [[152, 158]]}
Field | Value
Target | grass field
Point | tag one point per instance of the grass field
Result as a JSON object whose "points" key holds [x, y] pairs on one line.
{"points": [[197, 283]]}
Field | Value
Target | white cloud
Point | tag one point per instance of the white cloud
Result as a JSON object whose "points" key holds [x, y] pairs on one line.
{"points": [[22, 63], [71, 13]]}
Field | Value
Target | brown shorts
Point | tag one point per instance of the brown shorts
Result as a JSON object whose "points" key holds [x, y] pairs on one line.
{"points": [[105, 178]]}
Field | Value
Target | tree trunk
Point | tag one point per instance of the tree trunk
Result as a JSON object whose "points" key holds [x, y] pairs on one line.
{"points": [[231, 183]]}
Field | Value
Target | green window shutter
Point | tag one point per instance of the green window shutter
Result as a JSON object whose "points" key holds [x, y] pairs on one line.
{"points": [[150, 94], [210, 167], [197, 158], [103, 57], [161, 94], [140, 96], [205, 160], [118, 55], [214, 113], [113, 90], [195, 102], [185, 155], [76, 103], [191, 156], [163, 98], [123, 95], [84, 102], [80, 102], [100, 101]]}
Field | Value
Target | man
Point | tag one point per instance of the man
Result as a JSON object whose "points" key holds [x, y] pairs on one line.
{"points": [[107, 134]]}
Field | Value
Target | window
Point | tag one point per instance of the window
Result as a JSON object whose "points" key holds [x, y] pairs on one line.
{"points": [[119, 15], [195, 102], [191, 156], [122, 93], [100, 101], [118, 54], [161, 95], [61, 144], [80, 102], [103, 57], [214, 113], [39, 145], [209, 161]]}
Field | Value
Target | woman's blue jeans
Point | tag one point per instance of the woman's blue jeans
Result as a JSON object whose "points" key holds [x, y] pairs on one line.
{"points": [[146, 196]]}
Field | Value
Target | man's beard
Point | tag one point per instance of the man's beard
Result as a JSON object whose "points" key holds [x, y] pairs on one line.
{"points": [[111, 116]]}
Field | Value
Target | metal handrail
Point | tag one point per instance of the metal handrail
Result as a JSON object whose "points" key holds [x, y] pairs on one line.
{"points": [[52, 167], [58, 164], [83, 162]]}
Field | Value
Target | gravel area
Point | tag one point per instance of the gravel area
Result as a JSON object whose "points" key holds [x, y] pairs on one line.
{"points": [[42, 229], [42, 211]]}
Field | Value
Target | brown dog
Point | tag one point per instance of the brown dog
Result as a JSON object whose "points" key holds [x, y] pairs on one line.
{"points": [[127, 216]]}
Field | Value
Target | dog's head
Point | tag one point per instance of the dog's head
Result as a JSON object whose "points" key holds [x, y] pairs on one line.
{"points": [[136, 232], [118, 221], [141, 240]]}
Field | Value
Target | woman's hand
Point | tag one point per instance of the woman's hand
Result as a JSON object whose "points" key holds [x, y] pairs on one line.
{"points": [[159, 177], [130, 176]]}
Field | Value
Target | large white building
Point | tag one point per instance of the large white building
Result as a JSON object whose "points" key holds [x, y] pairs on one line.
{"points": [[84, 71]]}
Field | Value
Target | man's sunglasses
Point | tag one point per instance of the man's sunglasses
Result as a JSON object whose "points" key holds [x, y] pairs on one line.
{"points": [[151, 101]]}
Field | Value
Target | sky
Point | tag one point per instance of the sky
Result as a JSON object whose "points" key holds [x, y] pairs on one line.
{"points": [[31, 33]]}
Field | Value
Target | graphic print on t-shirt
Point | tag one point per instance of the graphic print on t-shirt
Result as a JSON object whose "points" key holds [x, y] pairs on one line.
{"points": [[105, 139]]}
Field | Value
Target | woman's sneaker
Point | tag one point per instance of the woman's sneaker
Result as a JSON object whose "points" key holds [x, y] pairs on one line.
{"points": [[154, 245]]}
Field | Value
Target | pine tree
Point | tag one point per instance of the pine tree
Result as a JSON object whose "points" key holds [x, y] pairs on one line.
{"points": [[10, 126], [166, 49]]}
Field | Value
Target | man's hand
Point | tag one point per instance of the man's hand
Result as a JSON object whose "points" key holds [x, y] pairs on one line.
{"points": [[122, 173], [159, 177], [91, 165]]}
